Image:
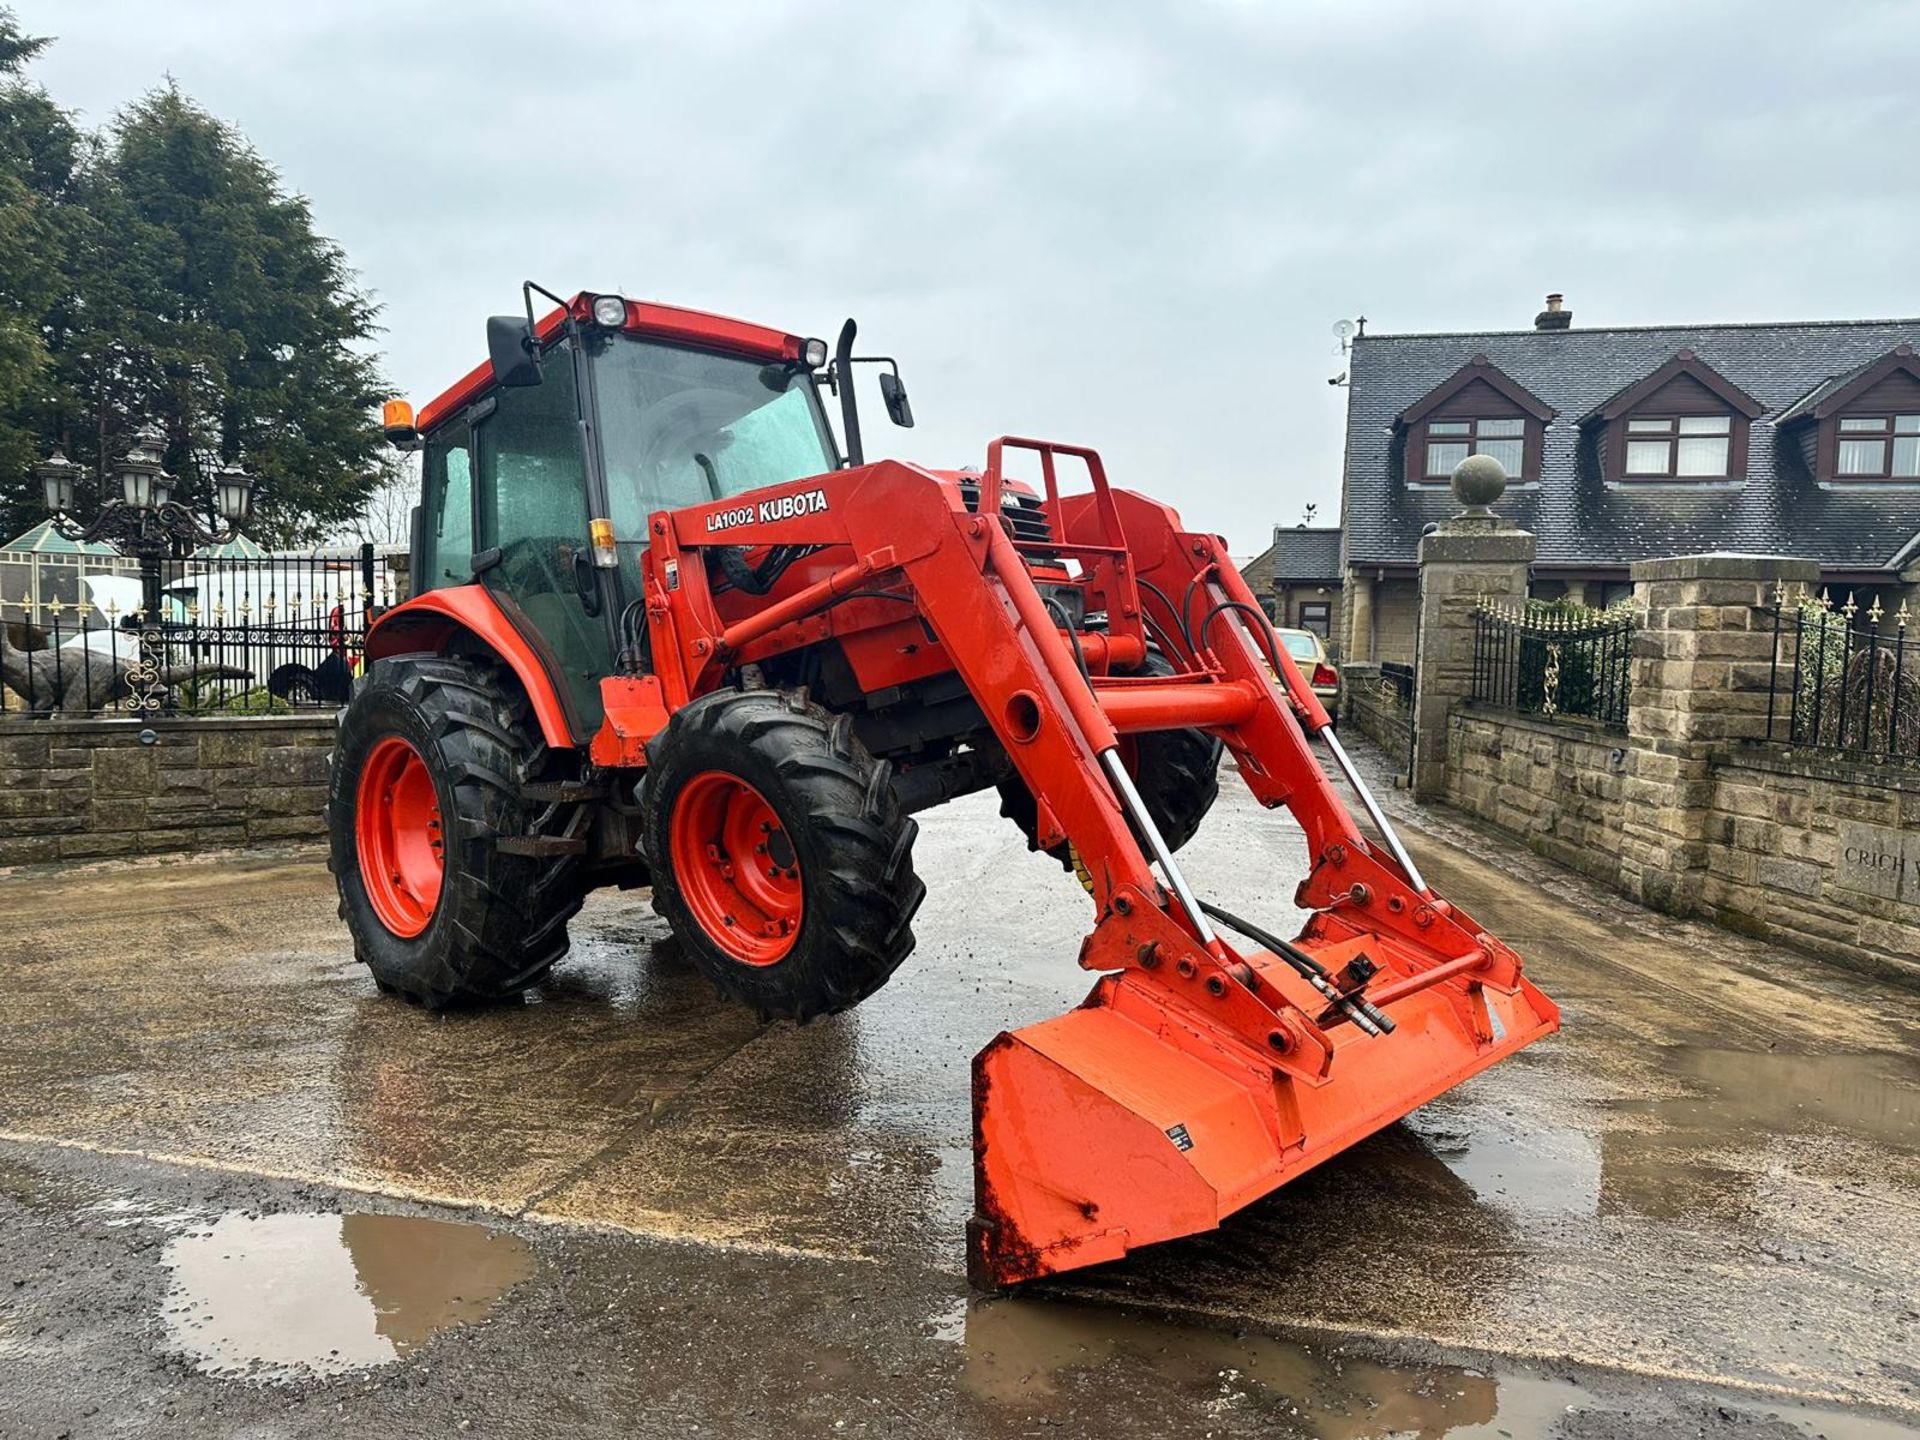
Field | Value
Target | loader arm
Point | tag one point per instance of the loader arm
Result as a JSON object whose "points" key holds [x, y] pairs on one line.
{"points": [[1200, 1073]]}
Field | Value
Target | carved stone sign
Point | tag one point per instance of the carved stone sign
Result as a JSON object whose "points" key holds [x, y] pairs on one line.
{"points": [[1879, 860]]}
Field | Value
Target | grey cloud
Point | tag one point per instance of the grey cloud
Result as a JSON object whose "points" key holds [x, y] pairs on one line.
{"points": [[1129, 224]]}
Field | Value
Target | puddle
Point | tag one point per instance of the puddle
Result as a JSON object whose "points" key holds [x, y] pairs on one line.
{"points": [[1028, 1353], [1547, 1170], [1765, 1092], [1023, 1352], [275, 1296], [1688, 1162]]}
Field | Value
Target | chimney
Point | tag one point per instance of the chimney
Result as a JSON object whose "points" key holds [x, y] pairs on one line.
{"points": [[1555, 316]]}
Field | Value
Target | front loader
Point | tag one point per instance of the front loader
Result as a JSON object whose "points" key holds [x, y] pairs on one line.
{"points": [[667, 629]]}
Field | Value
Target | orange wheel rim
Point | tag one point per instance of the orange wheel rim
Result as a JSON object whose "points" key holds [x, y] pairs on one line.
{"points": [[397, 830], [736, 867]]}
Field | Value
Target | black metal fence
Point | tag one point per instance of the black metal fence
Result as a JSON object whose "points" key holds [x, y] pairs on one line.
{"points": [[1554, 659], [196, 637], [1845, 680]]}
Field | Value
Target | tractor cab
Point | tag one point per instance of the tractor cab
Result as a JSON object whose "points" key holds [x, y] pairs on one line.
{"points": [[541, 468]]}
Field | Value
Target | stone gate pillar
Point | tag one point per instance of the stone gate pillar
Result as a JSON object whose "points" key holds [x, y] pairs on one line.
{"points": [[1476, 554], [1702, 668]]}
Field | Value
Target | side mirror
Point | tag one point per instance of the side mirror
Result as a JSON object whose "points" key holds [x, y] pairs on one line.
{"points": [[893, 390], [511, 348]]}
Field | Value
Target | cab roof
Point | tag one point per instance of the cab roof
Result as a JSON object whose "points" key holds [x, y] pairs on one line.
{"points": [[662, 322]]}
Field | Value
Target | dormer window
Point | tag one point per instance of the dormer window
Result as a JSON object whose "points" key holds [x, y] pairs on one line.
{"points": [[1683, 424], [1679, 447], [1475, 411], [1878, 447], [1451, 441]]}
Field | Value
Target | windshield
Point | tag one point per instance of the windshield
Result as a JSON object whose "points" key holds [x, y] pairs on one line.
{"points": [[1300, 645], [682, 427]]}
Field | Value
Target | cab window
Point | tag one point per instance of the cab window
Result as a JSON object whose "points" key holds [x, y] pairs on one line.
{"points": [[447, 507], [684, 427]]}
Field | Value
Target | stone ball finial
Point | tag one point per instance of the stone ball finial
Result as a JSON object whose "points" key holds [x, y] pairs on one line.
{"points": [[1478, 481]]}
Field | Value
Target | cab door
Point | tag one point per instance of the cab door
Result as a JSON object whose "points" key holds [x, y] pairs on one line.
{"points": [[532, 544]]}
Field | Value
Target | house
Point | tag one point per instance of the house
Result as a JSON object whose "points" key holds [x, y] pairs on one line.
{"points": [[1631, 443], [1306, 579]]}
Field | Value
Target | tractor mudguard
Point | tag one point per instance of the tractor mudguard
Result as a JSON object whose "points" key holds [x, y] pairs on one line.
{"points": [[429, 623]]}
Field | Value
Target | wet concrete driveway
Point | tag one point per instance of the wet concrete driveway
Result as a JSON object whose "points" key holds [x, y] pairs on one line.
{"points": [[241, 1193]]}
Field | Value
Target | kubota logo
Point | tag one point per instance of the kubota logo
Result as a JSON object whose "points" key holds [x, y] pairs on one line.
{"points": [[781, 507]]}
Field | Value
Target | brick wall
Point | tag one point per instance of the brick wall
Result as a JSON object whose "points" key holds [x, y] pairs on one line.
{"points": [[88, 789]]}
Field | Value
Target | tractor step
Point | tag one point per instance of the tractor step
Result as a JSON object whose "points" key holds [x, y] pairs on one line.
{"points": [[562, 792], [541, 846]]}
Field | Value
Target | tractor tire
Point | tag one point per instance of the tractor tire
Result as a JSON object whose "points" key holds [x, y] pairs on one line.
{"points": [[1177, 773], [427, 776], [778, 851]]}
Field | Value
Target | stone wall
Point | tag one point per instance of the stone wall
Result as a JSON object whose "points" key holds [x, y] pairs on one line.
{"points": [[1288, 601], [1396, 612], [1822, 855], [1815, 853], [1376, 712], [1693, 810], [1557, 785], [89, 789]]}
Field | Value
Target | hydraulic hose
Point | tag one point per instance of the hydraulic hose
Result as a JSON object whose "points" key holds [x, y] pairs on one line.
{"points": [[1368, 1018]]}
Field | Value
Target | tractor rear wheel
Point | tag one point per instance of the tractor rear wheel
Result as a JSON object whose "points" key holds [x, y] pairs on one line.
{"points": [[1175, 771], [427, 780], [778, 851]]}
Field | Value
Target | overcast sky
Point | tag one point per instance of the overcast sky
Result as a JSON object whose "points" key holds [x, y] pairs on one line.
{"points": [[1122, 224]]}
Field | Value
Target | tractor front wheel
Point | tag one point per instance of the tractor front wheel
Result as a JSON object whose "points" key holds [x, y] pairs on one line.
{"points": [[427, 780], [778, 852]]}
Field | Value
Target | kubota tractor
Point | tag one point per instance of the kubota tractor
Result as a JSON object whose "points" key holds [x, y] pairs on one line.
{"points": [[668, 630]]}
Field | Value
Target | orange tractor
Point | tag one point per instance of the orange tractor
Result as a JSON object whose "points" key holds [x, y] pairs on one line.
{"points": [[668, 629]]}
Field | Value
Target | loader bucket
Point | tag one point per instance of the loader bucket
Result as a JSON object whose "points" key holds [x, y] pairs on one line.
{"points": [[1124, 1122]]}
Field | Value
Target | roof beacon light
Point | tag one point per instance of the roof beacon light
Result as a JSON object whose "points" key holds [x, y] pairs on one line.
{"points": [[600, 532], [396, 421], [610, 311], [814, 352]]}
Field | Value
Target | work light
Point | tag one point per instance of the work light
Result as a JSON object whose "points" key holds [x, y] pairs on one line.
{"points": [[610, 311], [814, 352]]}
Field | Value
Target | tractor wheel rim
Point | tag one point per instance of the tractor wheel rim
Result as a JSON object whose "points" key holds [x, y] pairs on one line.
{"points": [[736, 868], [397, 827]]}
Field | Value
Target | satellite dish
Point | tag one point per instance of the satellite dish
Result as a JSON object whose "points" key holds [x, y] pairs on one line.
{"points": [[1343, 330]]}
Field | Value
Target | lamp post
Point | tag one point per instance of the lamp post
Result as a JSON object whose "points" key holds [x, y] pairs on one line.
{"points": [[145, 521]]}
